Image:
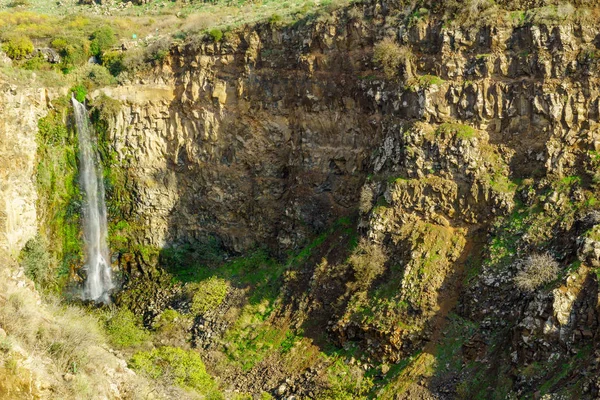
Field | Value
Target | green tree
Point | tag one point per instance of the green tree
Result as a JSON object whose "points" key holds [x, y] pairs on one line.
{"points": [[102, 40]]}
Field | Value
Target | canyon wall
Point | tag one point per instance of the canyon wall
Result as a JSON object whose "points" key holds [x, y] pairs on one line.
{"points": [[273, 132], [270, 136]]}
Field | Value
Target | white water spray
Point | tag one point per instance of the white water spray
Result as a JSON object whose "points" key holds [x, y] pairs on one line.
{"points": [[99, 281]]}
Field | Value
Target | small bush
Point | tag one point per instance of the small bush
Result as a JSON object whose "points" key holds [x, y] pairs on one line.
{"points": [[366, 199], [208, 294], [123, 330], [18, 47], [197, 22], [216, 35], [475, 7], [172, 328], [35, 260], [461, 131], [551, 14], [99, 75], [107, 108], [113, 61], [69, 340], [19, 3], [73, 51], [355, 13], [37, 63], [158, 51], [391, 56], [102, 40], [538, 270], [275, 19], [135, 59], [368, 262], [430, 80], [183, 368], [346, 382]]}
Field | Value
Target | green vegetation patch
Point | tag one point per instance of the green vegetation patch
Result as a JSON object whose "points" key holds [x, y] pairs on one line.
{"points": [[391, 56], [124, 329], [346, 381], [36, 261], [207, 294], [430, 80], [460, 131], [18, 47], [59, 197], [184, 368]]}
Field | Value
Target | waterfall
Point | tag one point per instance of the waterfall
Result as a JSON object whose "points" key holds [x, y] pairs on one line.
{"points": [[98, 281]]}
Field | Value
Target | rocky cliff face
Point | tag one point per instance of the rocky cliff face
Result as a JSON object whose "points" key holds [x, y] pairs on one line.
{"points": [[250, 151], [20, 111], [245, 128], [275, 133]]}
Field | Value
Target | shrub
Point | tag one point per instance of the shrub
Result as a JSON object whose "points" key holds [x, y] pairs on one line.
{"points": [[123, 330], [368, 262], [216, 34], [475, 7], [275, 19], [102, 40], [355, 13], [113, 61], [35, 260], [183, 368], [158, 51], [538, 270], [18, 47], [18, 3], [430, 80], [73, 51], [461, 131], [135, 59], [172, 328], [391, 56], [197, 22], [208, 294], [99, 75], [107, 108], [346, 382], [551, 14], [36, 64], [366, 199], [68, 341]]}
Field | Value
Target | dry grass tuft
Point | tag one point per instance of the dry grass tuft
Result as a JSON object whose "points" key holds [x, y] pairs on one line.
{"points": [[538, 270], [54, 350]]}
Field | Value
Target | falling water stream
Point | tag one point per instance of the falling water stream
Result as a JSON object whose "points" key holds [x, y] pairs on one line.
{"points": [[99, 281]]}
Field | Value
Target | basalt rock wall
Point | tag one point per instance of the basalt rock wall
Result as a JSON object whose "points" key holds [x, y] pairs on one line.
{"points": [[268, 136]]}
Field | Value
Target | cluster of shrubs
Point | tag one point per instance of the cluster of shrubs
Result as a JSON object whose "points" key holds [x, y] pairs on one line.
{"points": [[69, 54], [35, 43]]}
